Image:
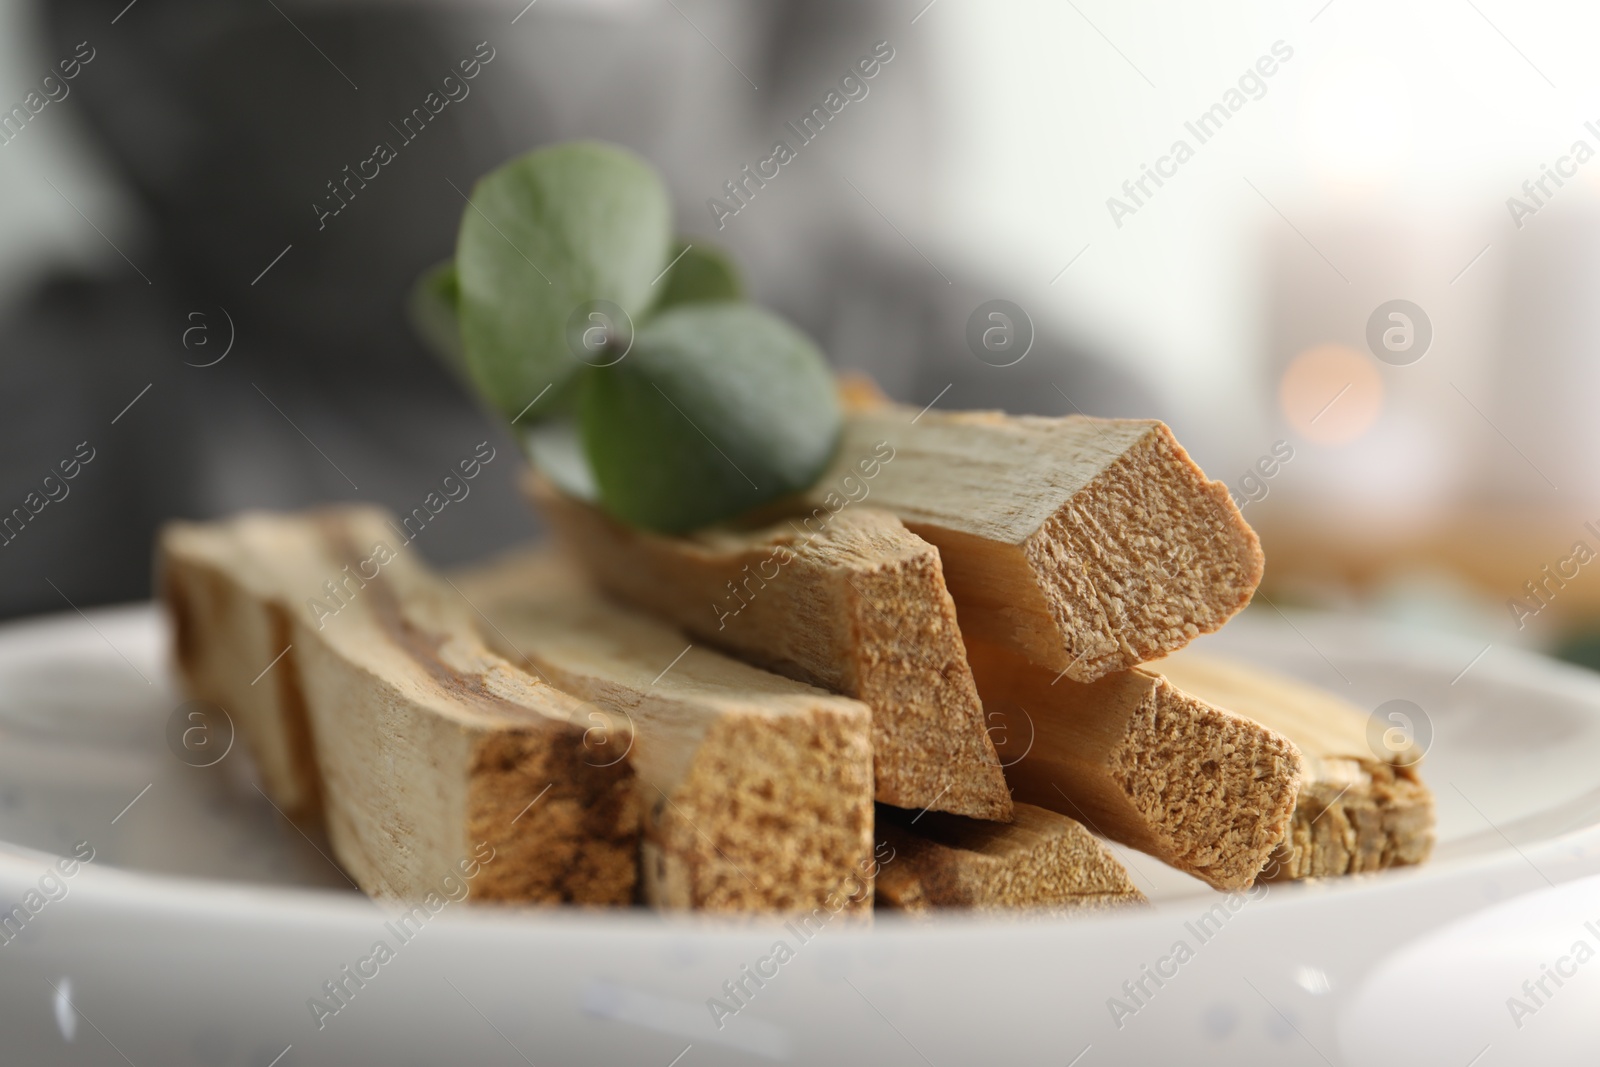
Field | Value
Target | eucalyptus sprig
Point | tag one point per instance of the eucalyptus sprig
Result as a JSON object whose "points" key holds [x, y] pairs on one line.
{"points": [[620, 350]]}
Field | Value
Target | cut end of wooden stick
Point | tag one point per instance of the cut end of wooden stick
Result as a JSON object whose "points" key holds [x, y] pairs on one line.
{"points": [[1360, 809], [773, 816], [1085, 545], [1216, 790], [1136, 760], [562, 828], [1180, 558], [1364, 816], [1041, 861], [845, 599]]}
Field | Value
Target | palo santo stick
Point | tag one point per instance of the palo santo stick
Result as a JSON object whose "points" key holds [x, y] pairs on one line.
{"points": [[1086, 545], [1140, 762], [233, 649], [1357, 812], [757, 789], [1040, 860], [854, 603], [429, 747]]}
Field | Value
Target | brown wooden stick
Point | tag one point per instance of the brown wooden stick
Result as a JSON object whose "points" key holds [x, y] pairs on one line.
{"points": [[430, 749], [757, 789], [1140, 762], [853, 603], [1040, 861], [1362, 807], [1086, 545]]}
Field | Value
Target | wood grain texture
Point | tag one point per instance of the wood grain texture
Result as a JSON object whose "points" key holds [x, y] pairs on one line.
{"points": [[1136, 760], [429, 748], [1085, 545], [229, 650], [756, 789], [1041, 861], [1361, 807], [849, 601]]}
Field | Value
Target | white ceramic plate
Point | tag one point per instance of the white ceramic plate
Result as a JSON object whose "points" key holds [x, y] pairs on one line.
{"points": [[206, 924]]}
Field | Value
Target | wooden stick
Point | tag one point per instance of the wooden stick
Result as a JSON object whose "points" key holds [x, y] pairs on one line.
{"points": [[1086, 545], [234, 649], [853, 603], [1039, 861], [757, 790], [430, 749], [1138, 761], [1362, 807]]}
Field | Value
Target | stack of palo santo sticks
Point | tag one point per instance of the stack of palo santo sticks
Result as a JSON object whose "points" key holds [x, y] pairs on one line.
{"points": [[939, 680]]}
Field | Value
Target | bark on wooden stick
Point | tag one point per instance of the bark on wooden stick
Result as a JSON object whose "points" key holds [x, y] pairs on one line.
{"points": [[1085, 545], [1136, 760], [757, 789], [1040, 861], [1362, 806], [850, 601], [429, 748]]}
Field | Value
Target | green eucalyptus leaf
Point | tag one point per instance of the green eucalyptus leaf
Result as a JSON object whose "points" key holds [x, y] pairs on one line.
{"points": [[715, 409], [556, 448], [432, 309], [559, 401], [700, 273], [543, 238]]}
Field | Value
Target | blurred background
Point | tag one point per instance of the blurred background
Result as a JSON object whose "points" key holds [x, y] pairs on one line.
{"points": [[1347, 250]]}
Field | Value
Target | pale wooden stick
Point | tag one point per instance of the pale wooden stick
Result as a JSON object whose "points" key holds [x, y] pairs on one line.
{"points": [[233, 648], [1362, 806], [1086, 545], [855, 604], [1140, 762], [430, 749], [757, 789], [1040, 861]]}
